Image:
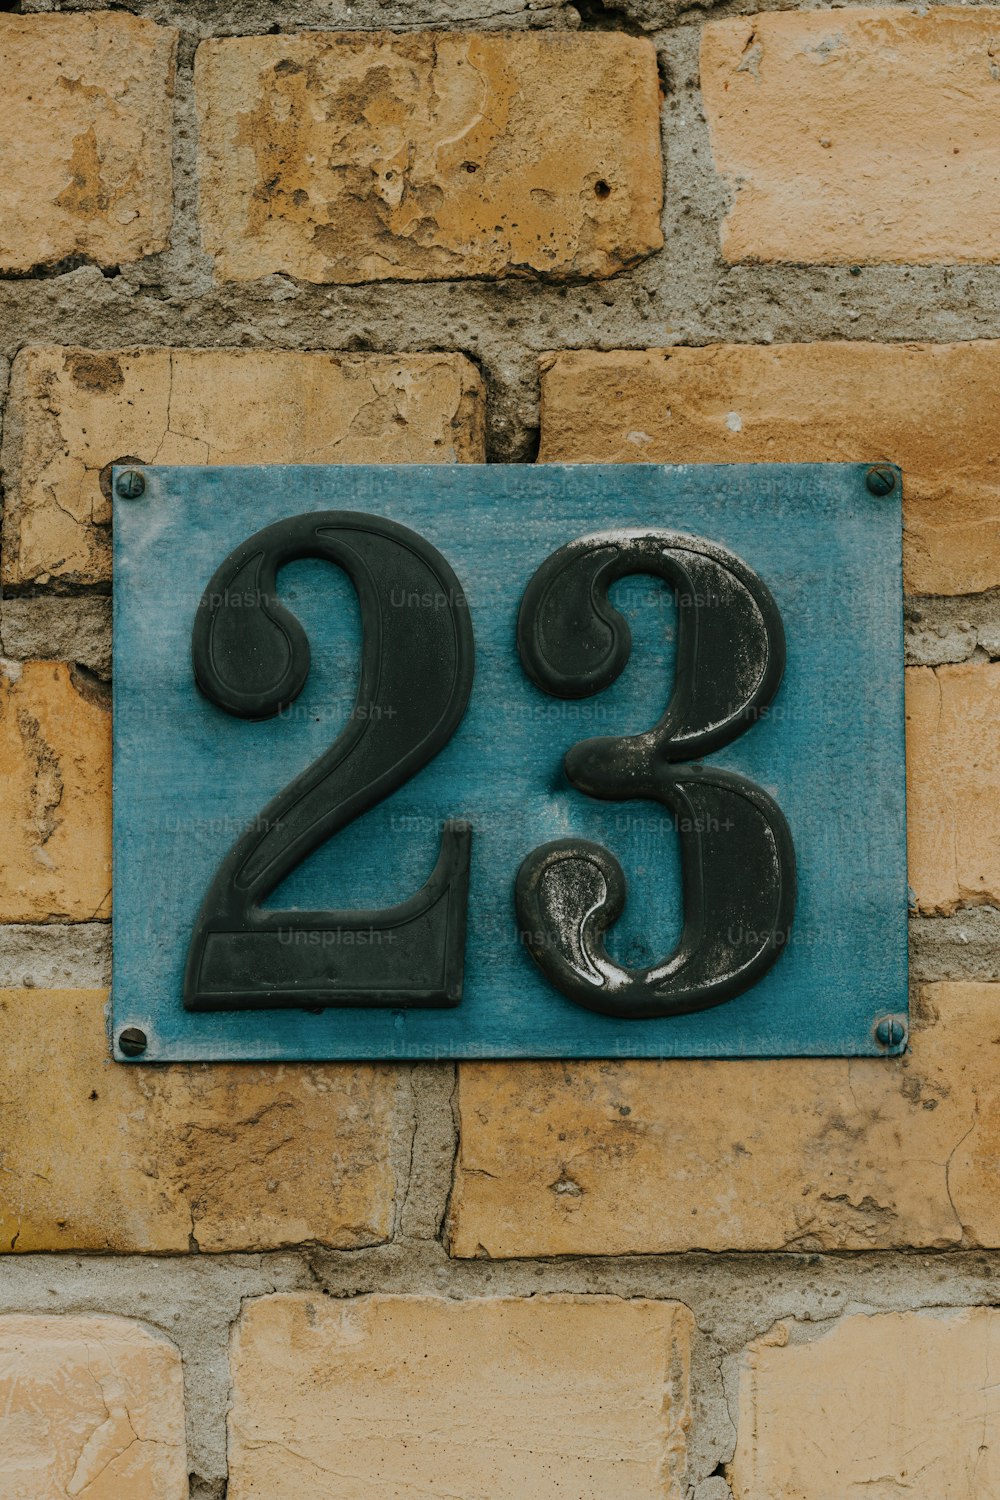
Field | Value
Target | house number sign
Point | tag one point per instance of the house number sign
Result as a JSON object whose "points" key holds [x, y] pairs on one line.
{"points": [[483, 761]]}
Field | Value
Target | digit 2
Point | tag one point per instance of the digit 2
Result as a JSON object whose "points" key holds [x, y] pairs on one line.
{"points": [[251, 657], [737, 858]]}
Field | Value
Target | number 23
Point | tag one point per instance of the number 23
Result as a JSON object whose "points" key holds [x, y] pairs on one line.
{"points": [[251, 658]]}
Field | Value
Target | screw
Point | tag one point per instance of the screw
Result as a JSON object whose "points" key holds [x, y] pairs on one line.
{"points": [[881, 480], [890, 1033], [131, 484], [132, 1041]]}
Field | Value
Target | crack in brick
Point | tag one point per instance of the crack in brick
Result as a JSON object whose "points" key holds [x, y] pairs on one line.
{"points": [[46, 793]]}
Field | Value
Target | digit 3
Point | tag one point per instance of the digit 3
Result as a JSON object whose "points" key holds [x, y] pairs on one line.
{"points": [[737, 856]]}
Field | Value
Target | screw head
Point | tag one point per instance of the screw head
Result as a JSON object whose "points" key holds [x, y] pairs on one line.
{"points": [[890, 1033], [131, 484], [880, 479], [132, 1041]]}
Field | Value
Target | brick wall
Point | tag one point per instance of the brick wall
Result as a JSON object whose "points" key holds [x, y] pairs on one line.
{"points": [[524, 232]]}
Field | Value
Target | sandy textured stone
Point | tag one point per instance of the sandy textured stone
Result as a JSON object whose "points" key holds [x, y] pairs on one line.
{"points": [[55, 765], [354, 157], [927, 407], [99, 1155], [856, 135], [900, 1404], [90, 1407], [953, 771], [539, 1398], [73, 411], [85, 138], [611, 1158]]}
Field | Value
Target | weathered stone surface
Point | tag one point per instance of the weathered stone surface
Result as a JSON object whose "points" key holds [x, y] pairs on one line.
{"points": [[99, 1155], [885, 1406], [865, 134], [964, 946], [90, 1407], [55, 764], [953, 766], [927, 407], [74, 411], [945, 630], [85, 149], [351, 157], [47, 629], [614, 1158], [539, 1398], [52, 955]]}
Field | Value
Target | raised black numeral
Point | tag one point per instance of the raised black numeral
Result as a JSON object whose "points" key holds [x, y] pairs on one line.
{"points": [[736, 850], [251, 657]]}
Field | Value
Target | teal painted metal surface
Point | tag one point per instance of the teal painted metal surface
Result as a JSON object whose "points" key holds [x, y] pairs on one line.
{"points": [[829, 750]]}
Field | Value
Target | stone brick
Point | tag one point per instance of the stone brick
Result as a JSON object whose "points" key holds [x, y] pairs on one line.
{"points": [[55, 763], [99, 1155], [895, 1404], [927, 407], [866, 134], [73, 411], [85, 138], [90, 1407], [953, 757], [534, 1397], [352, 157], [616, 1158]]}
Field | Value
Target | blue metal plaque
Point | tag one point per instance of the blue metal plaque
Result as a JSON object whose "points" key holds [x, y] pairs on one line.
{"points": [[717, 868]]}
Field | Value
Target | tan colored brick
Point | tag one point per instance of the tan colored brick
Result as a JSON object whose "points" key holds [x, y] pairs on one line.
{"points": [[953, 759], [55, 765], [99, 1155], [927, 407], [353, 157], [72, 411], [615, 1158], [542, 1398], [856, 135], [90, 1407], [895, 1404], [85, 138]]}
